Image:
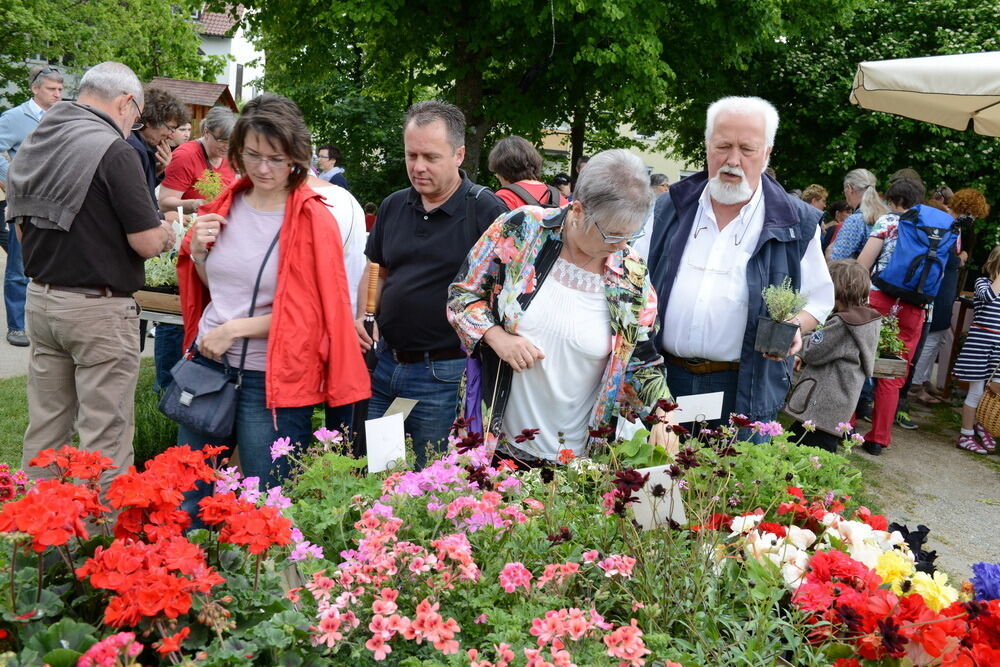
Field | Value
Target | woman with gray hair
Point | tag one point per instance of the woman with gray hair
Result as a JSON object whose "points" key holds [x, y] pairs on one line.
{"points": [[561, 313], [861, 195], [197, 159]]}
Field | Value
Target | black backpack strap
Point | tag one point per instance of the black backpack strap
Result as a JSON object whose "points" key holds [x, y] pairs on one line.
{"points": [[471, 228], [522, 193], [553, 195]]}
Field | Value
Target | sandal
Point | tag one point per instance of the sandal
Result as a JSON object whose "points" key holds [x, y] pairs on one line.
{"points": [[970, 444], [926, 398], [989, 444]]}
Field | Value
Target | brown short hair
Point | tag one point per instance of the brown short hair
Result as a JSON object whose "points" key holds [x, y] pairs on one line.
{"points": [[279, 119], [851, 282], [161, 107], [814, 192], [428, 111], [515, 159], [992, 266]]}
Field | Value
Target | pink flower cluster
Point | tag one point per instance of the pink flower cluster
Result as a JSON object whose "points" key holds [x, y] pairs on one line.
{"points": [[472, 513], [558, 572], [617, 565], [573, 623], [626, 643], [106, 652], [514, 575]]}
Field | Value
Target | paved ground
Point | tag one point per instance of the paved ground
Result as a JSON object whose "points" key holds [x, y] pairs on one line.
{"points": [[923, 478]]}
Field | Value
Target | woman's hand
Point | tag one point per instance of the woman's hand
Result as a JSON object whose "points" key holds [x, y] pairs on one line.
{"points": [[217, 342], [206, 232], [517, 351], [662, 433]]}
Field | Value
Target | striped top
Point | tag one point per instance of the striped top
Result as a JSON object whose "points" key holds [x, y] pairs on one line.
{"points": [[981, 352]]}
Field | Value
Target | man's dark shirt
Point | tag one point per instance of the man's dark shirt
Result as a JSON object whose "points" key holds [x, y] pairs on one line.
{"points": [[422, 251], [95, 251], [147, 156]]}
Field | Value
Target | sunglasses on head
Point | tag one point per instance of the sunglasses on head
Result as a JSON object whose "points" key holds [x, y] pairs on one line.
{"points": [[44, 70]]}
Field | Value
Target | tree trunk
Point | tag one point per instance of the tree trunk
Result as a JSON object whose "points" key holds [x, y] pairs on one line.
{"points": [[577, 131], [469, 98]]}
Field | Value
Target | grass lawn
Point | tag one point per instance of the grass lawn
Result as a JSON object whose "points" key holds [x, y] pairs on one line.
{"points": [[153, 431]]}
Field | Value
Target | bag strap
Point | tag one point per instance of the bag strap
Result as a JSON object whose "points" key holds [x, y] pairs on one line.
{"points": [[525, 196], [471, 228], [253, 304]]}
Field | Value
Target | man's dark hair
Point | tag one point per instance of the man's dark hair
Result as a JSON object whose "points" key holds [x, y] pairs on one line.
{"points": [[658, 179], [425, 113], [905, 192], [332, 151], [279, 120], [562, 178], [162, 107], [838, 206], [584, 159], [515, 159], [370, 208]]}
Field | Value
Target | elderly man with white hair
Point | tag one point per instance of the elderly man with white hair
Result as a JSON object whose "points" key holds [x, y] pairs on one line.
{"points": [[86, 228], [718, 239]]}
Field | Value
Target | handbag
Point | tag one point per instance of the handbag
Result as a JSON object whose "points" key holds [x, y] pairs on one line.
{"points": [[202, 398], [988, 410]]}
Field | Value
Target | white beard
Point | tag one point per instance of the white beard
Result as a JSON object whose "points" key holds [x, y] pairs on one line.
{"points": [[730, 193]]}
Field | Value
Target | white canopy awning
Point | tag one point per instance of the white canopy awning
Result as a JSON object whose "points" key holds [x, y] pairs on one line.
{"points": [[944, 90]]}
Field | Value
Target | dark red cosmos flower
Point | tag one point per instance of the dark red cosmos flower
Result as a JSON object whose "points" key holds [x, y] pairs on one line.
{"points": [[564, 534], [680, 431], [666, 405], [740, 421], [526, 435], [606, 432], [687, 458], [629, 480], [460, 425], [469, 442]]}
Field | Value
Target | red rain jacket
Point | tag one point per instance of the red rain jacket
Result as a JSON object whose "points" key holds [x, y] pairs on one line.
{"points": [[313, 355]]}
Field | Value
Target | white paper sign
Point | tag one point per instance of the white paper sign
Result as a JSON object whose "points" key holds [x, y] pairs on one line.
{"points": [[386, 441], [699, 407], [652, 512]]}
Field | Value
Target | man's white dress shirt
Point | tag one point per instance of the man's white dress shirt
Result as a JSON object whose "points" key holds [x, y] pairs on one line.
{"points": [[706, 313]]}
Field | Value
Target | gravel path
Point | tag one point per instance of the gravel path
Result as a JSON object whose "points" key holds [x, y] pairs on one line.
{"points": [[924, 478]]}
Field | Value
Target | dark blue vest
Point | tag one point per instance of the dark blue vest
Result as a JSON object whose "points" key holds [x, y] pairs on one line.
{"points": [[789, 225]]}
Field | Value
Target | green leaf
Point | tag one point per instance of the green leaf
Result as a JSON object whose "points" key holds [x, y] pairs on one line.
{"points": [[62, 657], [66, 634]]}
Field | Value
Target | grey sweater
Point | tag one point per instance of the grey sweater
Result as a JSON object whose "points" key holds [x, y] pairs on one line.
{"points": [[836, 360]]}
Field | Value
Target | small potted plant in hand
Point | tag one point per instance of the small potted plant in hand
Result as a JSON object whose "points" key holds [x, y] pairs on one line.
{"points": [[775, 334], [890, 362]]}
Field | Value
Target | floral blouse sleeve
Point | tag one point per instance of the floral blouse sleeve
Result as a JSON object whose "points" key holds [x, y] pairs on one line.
{"points": [[469, 297]]}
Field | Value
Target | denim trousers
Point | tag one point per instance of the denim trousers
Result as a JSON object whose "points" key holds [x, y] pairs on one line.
{"points": [[168, 348], [15, 283], [254, 431], [433, 384], [683, 382]]}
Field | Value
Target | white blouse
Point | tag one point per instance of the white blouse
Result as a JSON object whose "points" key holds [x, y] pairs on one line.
{"points": [[568, 320]]}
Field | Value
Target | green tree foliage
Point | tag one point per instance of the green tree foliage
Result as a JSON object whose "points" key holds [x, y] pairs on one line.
{"points": [[822, 135], [513, 66], [153, 37]]}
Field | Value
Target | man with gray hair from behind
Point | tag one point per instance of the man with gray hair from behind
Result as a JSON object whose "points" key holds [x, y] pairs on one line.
{"points": [[719, 238], [80, 205]]}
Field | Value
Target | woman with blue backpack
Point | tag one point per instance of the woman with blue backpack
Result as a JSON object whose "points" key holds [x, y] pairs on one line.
{"points": [[907, 251]]}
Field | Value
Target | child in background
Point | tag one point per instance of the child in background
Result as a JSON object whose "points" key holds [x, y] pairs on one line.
{"points": [[835, 360], [980, 355]]}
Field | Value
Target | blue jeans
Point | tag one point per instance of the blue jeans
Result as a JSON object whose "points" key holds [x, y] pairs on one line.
{"points": [[683, 382], [433, 383], [168, 348], [15, 283], [253, 433]]}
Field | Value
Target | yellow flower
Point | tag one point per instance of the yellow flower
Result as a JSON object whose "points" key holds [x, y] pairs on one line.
{"points": [[935, 591], [894, 568]]}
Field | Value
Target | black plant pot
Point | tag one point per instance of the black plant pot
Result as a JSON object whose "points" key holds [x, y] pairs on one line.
{"points": [[774, 338]]}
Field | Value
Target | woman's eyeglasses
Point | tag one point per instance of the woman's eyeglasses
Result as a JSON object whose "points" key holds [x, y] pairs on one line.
{"points": [[612, 239], [273, 162]]}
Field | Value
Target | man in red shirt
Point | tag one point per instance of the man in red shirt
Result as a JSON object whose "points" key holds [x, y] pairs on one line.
{"points": [[190, 161], [518, 167]]}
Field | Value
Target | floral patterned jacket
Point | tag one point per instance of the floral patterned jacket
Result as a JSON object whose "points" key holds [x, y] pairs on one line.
{"points": [[496, 284]]}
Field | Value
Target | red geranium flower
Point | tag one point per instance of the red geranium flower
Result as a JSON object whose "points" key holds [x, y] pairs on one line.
{"points": [[172, 643]]}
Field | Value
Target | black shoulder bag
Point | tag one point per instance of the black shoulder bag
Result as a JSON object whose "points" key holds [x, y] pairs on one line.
{"points": [[202, 398]]}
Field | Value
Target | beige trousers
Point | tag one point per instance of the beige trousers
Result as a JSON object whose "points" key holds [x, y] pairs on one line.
{"points": [[82, 375]]}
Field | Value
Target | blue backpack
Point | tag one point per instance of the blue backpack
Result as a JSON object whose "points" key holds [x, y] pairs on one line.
{"points": [[925, 238]]}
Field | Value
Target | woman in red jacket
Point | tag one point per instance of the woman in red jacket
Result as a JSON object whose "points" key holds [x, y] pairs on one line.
{"points": [[300, 346]]}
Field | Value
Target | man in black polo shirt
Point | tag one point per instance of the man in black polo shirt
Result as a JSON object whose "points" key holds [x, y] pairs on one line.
{"points": [[84, 240], [419, 241]]}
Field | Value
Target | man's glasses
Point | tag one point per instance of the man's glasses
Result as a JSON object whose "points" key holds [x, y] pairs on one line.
{"points": [[612, 239], [136, 125], [41, 72], [273, 162]]}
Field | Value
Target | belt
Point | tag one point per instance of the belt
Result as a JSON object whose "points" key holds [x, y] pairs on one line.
{"points": [[418, 356], [702, 366], [89, 292]]}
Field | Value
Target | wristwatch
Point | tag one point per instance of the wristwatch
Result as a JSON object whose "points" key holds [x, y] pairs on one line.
{"points": [[199, 261]]}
